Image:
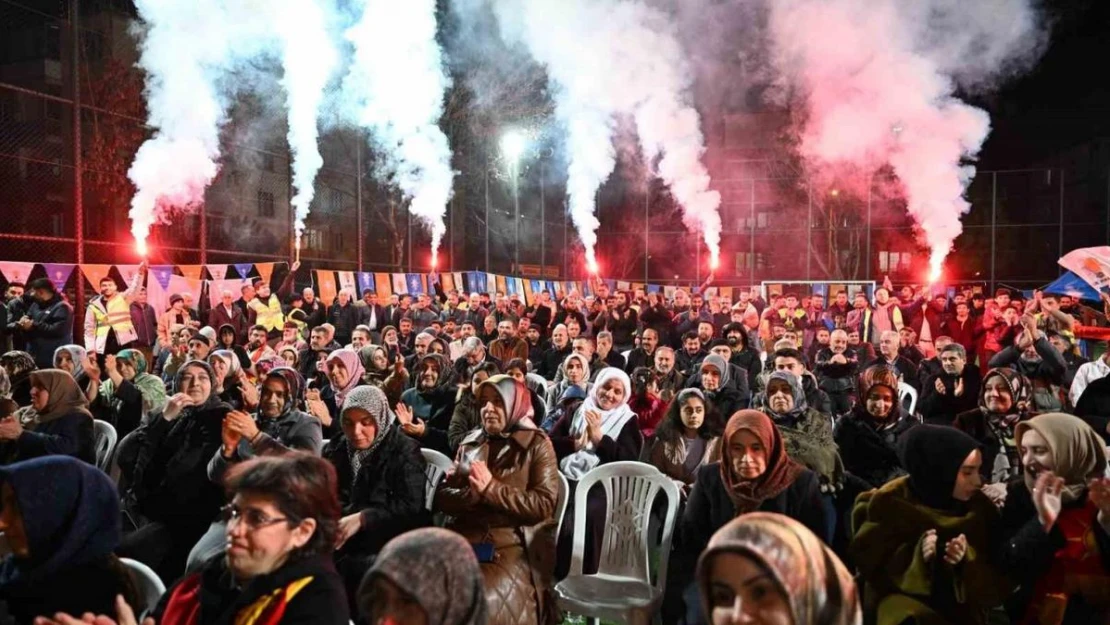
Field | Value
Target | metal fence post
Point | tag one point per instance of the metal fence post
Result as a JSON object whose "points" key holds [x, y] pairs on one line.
{"points": [[994, 211]]}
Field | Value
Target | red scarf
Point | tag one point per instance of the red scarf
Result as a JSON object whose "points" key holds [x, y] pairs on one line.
{"points": [[1076, 570]]}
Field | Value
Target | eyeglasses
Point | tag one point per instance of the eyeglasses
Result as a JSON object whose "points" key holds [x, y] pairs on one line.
{"points": [[252, 518]]}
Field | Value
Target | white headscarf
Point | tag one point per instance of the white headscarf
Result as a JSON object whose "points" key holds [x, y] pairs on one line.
{"points": [[581, 462]]}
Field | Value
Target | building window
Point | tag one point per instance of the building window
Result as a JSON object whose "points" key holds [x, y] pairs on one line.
{"points": [[337, 240], [314, 240], [265, 204], [893, 262]]}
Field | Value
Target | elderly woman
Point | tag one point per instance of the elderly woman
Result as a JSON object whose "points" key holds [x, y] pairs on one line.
{"points": [[1056, 524], [688, 438], [129, 395], [870, 435], [807, 432], [1004, 401], [71, 359], [19, 366], [603, 430], [768, 568], [166, 465], [344, 370], [231, 386], [576, 372], [923, 543], [428, 576], [61, 521], [282, 525], [381, 482], [425, 410], [60, 422], [468, 412], [379, 371], [502, 495], [715, 378]]}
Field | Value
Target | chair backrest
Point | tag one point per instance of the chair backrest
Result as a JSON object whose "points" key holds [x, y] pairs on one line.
{"points": [[561, 502], [104, 438], [630, 491], [150, 585], [437, 466], [907, 393]]}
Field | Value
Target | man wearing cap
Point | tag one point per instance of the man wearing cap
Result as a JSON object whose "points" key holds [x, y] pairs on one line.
{"points": [[108, 327], [267, 307]]}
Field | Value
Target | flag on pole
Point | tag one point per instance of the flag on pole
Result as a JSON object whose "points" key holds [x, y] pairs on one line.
{"points": [[384, 286], [347, 281], [415, 283], [365, 282], [400, 287]]}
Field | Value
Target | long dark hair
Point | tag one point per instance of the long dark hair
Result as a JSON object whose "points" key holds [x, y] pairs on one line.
{"points": [[672, 428]]}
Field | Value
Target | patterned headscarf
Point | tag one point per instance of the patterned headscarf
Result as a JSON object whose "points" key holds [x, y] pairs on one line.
{"points": [[77, 354], [816, 584], [878, 375], [372, 400], [5, 384], [781, 471], [1020, 389], [350, 361], [366, 355], [437, 569], [796, 390], [294, 386], [517, 400], [18, 364], [135, 357]]}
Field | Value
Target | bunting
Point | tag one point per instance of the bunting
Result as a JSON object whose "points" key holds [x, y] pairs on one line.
{"points": [[365, 282], [244, 269], [347, 281], [491, 283], [216, 289], [499, 282], [218, 272], [58, 273], [415, 283], [460, 285], [325, 282], [399, 286], [128, 272], [162, 274], [654, 288], [265, 271], [95, 273], [191, 271], [16, 271], [446, 281], [384, 286]]}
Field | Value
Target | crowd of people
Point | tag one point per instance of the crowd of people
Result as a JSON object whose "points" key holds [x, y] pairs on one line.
{"points": [[898, 458]]}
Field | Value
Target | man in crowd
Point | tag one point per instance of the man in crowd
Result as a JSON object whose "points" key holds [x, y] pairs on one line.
{"points": [[560, 349], [691, 355], [310, 361], [1033, 356], [889, 343], [370, 313], [226, 313], [508, 346], [455, 349], [267, 307], [47, 324], [671, 380], [1095, 370], [145, 321], [964, 329], [607, 353], [541, 312], [343, 316], [108, 327], [423, 313], [952, 391], [644, 355]]}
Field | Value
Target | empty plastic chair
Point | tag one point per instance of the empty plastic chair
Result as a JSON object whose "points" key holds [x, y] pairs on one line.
{"points": [[438, 464], [907, 396], [104, 439], [150, 586]]}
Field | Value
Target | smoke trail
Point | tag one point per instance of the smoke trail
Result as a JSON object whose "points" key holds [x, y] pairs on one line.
{"points": [[174, 167], [879, 77], [397, 84], [308, 57], [610, 57]]}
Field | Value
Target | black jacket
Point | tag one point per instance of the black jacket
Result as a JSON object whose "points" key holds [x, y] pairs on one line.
{"points": [[345, 319], [167, 467], [389, 490], [52, 327], [552, 360], [76, 589], [639, 358], [69, 435], [942, 409], [1094, 407], [870, 455]]}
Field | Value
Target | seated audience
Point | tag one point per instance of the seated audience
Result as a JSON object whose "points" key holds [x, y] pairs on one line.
{"points": [[1003, 403], [59, 422], [952, 391], [425, 410], [688, 438], [129, 396], [870, 435]]}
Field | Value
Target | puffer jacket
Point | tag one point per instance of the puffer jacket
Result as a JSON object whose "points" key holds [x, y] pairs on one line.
{"points": [[516, 513]]}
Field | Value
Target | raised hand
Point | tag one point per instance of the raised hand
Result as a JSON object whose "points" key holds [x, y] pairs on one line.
{"points": [[959, 390], [480, 476], [929, 545], [176, 405], [1046, 499], [404, 414], [593, 427], [1098, 490]]}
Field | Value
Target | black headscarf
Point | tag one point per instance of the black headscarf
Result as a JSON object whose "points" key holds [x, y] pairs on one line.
{"points": [[70, 513], [933, 455]]}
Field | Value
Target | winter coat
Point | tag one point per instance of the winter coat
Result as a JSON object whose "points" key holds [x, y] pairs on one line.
{"points": [[869, 454], [345, 319], [219, 317], [69, 435], [836, 377], [435, 408], [516, 513], [942, 409], [1046, 374], [51, 327], [670, 457]]}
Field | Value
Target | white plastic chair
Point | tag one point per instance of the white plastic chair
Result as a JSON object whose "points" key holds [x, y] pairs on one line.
{"points": [[438, 464], [622, 589], [625, 354], [561, 502], [104, 438], [150, 585], [906, 391]]}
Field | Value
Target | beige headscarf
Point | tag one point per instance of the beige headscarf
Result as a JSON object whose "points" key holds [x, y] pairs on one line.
{"points": [[65, 396], [1078, 450], [816, 583]]}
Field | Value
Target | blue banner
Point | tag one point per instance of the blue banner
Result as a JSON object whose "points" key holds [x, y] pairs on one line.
{"points": [[162, 274], [414, 283], [365, 282], [244, 269]]}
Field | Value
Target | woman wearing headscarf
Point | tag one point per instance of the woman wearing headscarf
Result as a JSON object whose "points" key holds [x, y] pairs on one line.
{"points": [[807, 432], [61, 521], [576, 372], [129, 395], [603, 430], [166, 466], [71, 359], [5, 384], [378, 371], [344, 371], [869, 435], [59, 422], [767, 568], [19, 366], [226, 339], [1004, 401], [688, 438], [467, 415], [1055, 524], [428, 576], [502, 496], [425, 410], [229, 387], [381, 482], [923, 542], [277, 428], [715, 382]]}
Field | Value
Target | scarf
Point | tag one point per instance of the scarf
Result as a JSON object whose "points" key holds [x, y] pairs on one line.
{"points": [[879, 375], [19, 366], [353, 365], [372, 400], [517, 400], [818, 587], [1008, 463], [585, 369], [366, 356], [77, 354], [584, 460], [232, 362], [1078, 451], [71, 516], [294, 388], [781, 471], [933, 455], [213, 397], [796, 413], [65, 396], [5, 384], [152, 388], [718, 363], [438, 569]]}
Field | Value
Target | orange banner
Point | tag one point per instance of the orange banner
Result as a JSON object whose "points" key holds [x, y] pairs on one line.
{"points": [[325, 285]]}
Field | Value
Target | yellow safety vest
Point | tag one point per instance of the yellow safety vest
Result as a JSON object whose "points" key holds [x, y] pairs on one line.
{"points": [[115, 315], [269, 315]]}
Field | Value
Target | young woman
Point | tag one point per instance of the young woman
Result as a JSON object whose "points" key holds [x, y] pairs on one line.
{"points": [[869, 436], [688, 438]]}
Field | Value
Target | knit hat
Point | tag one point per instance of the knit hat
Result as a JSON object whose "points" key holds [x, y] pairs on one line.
{"points": [[175, 298]]}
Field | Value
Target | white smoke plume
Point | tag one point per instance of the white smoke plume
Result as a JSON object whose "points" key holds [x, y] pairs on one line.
{"points": [[397, 83], [611, 57], [879, 81], [196, 54]]}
